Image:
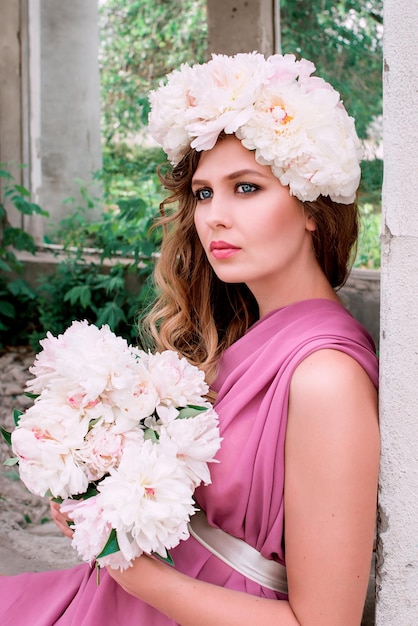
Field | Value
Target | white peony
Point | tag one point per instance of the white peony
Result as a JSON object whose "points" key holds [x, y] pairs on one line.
{"points": [[178, 383], [172, 109], [44, 443], [91, 531], [88, 365], [148, 496], [197, 441], [102, 449]]}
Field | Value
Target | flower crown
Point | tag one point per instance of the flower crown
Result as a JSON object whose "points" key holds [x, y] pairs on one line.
{"points": [[295, 122]]}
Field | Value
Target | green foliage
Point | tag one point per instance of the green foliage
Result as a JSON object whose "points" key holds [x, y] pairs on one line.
{"points": [[344, 40], [140, 41], [93, 292], [103, 272], [16, 296], [104, 276], [130, 173], [368, 252], [371, 182], [370, 193]]}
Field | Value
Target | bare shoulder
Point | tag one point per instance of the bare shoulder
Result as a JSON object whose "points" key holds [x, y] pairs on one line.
{"points": [[331, 376], [332, 400]]}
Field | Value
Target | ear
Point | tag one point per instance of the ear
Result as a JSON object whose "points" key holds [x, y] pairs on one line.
{"points": [[310, 223]]}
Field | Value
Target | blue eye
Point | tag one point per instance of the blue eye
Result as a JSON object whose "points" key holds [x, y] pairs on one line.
{"points": [[246, 188], [203, 194]]}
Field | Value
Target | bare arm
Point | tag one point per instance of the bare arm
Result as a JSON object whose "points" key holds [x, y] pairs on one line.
{"points": [[332, 458], [332, 451]]}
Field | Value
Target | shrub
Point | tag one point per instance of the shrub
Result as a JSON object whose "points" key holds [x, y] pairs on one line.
{"points": [[17, 298]]}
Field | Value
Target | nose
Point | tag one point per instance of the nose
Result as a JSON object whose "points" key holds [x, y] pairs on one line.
{"points": [[218, 213]]}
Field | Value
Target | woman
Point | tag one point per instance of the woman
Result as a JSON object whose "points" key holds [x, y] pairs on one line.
{"points": [[264, 220]]}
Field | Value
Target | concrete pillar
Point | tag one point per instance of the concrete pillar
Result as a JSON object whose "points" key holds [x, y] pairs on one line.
{"points": [[50, 101], [11, 135], [397, 568], [241, 26], [69, 99]]}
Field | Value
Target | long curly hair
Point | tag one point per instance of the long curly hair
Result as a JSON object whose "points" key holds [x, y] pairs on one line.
{"points": [[195, 313]]}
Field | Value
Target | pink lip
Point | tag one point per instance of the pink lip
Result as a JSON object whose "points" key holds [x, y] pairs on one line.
{"points": [[223, 249]]}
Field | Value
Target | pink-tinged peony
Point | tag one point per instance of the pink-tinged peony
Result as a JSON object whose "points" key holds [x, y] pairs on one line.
{"points": [[47, 466], [224, 93], [91, 532], [87, 365], [148, 497], [44, 443], [177, 382], [102, 449]]}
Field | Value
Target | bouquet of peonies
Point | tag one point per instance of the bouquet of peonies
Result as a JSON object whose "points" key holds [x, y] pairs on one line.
{"points": [[121, 437]]}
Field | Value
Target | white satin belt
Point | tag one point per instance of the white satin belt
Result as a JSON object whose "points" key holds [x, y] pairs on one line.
{"points": [[238, 554]]}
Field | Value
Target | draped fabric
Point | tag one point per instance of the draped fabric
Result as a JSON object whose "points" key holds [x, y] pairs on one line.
{"points": [[245, 498]]}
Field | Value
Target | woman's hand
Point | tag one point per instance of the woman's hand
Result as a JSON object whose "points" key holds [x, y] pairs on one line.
{"points": [[60, 519]]}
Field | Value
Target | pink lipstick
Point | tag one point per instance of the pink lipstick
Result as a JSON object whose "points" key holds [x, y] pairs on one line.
{"points": [[222, 249]]}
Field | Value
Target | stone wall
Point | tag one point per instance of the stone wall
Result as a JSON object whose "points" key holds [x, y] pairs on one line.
{"points": [[11, 96], [361, 296], [397, 571]]}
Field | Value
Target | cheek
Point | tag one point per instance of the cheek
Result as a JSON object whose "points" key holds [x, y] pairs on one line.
{"points": [[197, 224], [200, 226]]}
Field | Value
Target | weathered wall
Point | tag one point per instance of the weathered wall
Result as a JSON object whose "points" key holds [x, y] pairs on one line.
{"points": [[11, 140], [361, 296], [240, 26], [397, 574], [70, 98]]}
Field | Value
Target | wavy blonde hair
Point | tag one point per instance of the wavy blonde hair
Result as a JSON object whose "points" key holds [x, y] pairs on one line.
{"points": [[195, 313]]}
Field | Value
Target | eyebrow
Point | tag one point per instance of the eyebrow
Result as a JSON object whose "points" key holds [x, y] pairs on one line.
{"points": [[233, 176]]}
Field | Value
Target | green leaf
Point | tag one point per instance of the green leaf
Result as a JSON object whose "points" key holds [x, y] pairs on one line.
{"points": [[150, 435], [110, 314], [20, 288], [7, 436], [56, 499], [32, 396], [167, 559], [90, 493], [11, 462], [16, 416], [111, 545], [4, 267], [7, 309], [5, 174], [79, 293], [190, 411], [22, 190]]}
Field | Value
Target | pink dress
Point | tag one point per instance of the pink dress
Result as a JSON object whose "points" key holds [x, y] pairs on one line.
{"points": [[246, 494]]}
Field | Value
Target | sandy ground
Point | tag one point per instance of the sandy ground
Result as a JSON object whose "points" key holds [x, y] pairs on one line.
{"points": [[29, 540]]}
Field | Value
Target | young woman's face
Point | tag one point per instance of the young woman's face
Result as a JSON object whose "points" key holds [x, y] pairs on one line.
{"points": [[252, 230]]}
